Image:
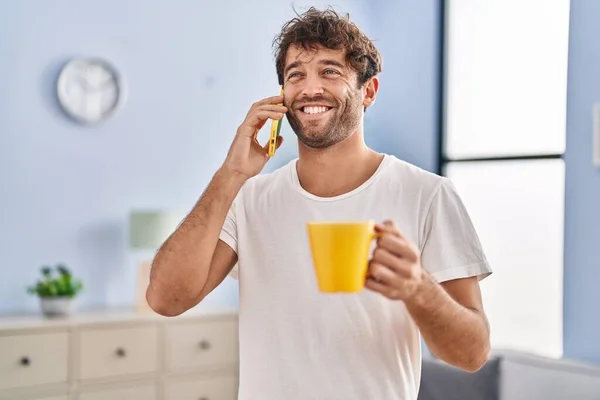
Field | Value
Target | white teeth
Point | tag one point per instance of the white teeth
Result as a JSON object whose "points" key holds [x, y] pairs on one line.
{"points": [[315, 110]]}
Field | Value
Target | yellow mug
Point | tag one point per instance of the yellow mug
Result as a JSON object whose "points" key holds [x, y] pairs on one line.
{"points": [[340, 254]]}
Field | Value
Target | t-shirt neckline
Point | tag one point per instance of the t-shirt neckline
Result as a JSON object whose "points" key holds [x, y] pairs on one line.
{"points": [[296, 182]]}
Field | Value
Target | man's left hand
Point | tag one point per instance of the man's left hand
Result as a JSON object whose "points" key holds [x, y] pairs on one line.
{"points": [[395, 268]]}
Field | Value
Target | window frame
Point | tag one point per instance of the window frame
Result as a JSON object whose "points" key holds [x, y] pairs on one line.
{"points": [[442, 159]]}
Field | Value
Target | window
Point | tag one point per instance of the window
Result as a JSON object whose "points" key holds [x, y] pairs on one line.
{"points": [[502, 141]]}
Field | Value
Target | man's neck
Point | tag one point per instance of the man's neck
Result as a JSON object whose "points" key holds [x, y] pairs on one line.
{"points": [[337, 169]]}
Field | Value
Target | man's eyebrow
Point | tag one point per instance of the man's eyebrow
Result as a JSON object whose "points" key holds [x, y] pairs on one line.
{"points": [[293, 65], [333, 63], [296, 64]]}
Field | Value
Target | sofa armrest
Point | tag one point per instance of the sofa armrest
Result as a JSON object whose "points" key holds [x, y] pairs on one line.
{"points": [[525, 376], [440, 381], [510, 375]]}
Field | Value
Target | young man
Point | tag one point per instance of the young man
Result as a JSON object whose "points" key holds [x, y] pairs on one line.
{"points": [[296, 342]]}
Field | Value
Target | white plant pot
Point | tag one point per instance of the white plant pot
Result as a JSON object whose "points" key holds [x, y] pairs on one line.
{"points": [[57, 306]]}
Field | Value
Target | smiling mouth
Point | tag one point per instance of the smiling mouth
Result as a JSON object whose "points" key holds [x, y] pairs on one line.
{"points": [[315, 110]]}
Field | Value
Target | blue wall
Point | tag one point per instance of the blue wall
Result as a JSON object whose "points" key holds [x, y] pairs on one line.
{"points": [[582, 225], [404, 120], [66, 190]]}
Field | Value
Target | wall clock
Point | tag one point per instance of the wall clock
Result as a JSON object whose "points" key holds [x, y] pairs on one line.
{"points": [[89, 90]]}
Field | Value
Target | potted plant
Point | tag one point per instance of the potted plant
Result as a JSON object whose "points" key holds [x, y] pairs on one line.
{"points": [[56, 290]]}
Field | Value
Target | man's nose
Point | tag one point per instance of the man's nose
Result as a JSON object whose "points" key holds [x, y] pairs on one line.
{"points": [[313, 86]]}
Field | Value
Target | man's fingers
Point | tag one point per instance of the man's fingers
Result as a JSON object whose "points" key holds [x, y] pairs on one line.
{"points": [[257, 120], [400, 266], [260, 115], [385, 257], [268, 100], [387, 291], [387, 227], [397, 246], [382, 280], [380, 273], [272, 107], [376, 286], [263, 115]]}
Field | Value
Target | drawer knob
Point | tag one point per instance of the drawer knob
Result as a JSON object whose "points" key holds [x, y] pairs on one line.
{"points": [[25, 361], [203, 398], [121, 352], [204, 345]]}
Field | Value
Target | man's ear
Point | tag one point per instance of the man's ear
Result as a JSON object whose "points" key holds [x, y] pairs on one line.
{"points": [[370, 89]]}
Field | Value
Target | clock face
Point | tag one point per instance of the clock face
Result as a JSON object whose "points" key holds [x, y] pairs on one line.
{"points": [[89, 90]]}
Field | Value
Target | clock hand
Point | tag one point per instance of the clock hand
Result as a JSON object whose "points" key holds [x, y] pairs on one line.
{"points": [[83, 82]]}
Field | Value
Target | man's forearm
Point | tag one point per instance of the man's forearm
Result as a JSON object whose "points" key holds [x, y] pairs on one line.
{"points": [[454, 333], [180, 267]]}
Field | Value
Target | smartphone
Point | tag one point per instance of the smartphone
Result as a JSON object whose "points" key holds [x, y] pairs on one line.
{"points": [[275, 129]]}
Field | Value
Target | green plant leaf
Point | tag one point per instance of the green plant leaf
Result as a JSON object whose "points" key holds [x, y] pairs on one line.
{"points": [[56, 285], [62, 270]]}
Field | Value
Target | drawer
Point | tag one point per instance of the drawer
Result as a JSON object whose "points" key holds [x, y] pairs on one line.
{"points": [[201, 344], [65, 397], [109, 352], [202, 388], [137, 392], [33, 359]]}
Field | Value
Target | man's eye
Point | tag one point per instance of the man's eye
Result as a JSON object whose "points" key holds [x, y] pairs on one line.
{"points": [[331, 71], [293, 75]]}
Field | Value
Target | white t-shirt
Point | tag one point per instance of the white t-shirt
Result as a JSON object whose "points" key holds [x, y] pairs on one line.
{"points": [[299, 343]]}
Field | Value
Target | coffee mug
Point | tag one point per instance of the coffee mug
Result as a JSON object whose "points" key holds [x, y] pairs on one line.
{"points": [[340, 254]]}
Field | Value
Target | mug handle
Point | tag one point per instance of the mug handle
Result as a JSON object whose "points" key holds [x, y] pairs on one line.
{"points": [[375, 235]]}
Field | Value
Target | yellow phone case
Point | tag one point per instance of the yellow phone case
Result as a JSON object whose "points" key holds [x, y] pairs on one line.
{"points": [[275, 129]]}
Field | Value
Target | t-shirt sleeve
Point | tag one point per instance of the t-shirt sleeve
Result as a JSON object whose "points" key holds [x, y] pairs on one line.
{"points": [[229, 234], [451, 248]]}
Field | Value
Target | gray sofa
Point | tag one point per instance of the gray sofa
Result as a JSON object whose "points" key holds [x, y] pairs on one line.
{"points": [[511, 376]]}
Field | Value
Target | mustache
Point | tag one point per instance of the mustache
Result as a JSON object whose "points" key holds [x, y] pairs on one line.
{"points": [[315, 99]]}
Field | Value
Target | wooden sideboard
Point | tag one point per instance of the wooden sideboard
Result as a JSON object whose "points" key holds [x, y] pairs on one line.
{"points": [[113, 355]]}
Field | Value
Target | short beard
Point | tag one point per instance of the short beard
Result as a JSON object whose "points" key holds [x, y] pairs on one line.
{"points": [[341, 126]]}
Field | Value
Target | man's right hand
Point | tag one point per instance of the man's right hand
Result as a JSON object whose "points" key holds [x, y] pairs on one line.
{"points": [[246, 156]]}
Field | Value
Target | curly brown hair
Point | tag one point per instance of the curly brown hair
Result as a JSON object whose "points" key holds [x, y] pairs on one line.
{"points": [[327, 28]]}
